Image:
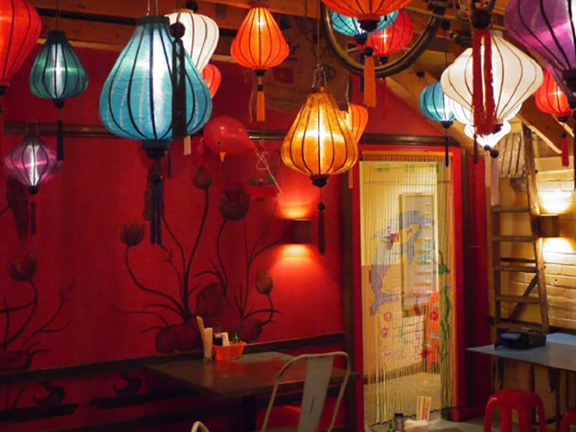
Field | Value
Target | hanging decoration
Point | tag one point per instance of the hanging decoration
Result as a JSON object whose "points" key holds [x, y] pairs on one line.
{"points": [[368, 12], [488, 142], [137, 100], [58, 74], [19, 30], [200, 37], [357, 120], [515, 77], [226, 136], [213, 77], [350, 27], [320, 143], [32, 163], [550, 99], [260, 45], [383, 44], [436, 106]]}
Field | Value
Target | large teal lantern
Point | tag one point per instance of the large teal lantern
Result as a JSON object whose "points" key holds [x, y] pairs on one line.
{"points": [[137, 99], [58, 74], [350, 27], [436, 106]]}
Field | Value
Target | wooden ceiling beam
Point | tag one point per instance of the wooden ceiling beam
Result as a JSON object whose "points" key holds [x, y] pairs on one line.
{"points": [[543, 125]]}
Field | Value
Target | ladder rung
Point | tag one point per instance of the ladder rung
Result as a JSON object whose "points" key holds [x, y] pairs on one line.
{"points": [[516, 269], [518, 260], [518, 299], [499, 209], [523, 239], [518, 325]]}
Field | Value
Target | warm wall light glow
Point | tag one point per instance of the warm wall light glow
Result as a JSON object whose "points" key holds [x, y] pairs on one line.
{"points": [[556, 201], [557, 245], [296, 251]]}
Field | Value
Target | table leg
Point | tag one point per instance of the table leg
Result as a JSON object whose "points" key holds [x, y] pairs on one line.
{"points": [[557, 395], [249, 412]]}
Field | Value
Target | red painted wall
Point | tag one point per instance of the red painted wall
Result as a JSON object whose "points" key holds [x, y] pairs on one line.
{"points": [[80, 253]]}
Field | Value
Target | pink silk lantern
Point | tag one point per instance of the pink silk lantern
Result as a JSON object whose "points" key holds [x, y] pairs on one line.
{"points": [[32, 163]]}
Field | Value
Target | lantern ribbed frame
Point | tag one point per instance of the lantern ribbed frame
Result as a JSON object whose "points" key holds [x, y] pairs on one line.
{"points": [[350, 27], [320, 143], [259, 44], [393, 38], [213, 78], [32, 163], [57, 73], [20, 27], [435, 105], [200, 38], [550, 98], [366, 10], [357, 119], [516, 76], [136, 101]]}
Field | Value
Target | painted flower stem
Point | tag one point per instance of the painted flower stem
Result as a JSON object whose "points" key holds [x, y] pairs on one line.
{"points": [[17, 334]]}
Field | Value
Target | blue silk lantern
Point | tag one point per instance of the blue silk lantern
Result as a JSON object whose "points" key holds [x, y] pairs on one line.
{"points": [[350, 27], [436, 106], [137, 99], [58, 74]]}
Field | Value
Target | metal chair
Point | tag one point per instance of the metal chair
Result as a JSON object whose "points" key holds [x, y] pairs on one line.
{"points": [[199, 427], [318, 372]]}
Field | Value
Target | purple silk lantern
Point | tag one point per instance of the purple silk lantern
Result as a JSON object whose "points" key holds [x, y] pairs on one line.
{"points": [[547, 29], [32, 163]]}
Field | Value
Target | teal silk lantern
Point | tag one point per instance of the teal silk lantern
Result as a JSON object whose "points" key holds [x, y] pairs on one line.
{"points": [[350, 27], [436, 106], [58, 74], [137, 100]]}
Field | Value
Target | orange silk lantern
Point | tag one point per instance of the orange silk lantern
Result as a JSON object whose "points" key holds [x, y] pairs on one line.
{"points": [[357, 119], [260, 45], [550, 99], [368, 12], [213, 78]]}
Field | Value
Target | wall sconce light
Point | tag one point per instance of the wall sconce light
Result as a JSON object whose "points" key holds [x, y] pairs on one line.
{"points": [[299, 231], [549, 226]]}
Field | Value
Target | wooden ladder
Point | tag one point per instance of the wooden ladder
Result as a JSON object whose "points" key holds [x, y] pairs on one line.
{"points": [[510, 264]]}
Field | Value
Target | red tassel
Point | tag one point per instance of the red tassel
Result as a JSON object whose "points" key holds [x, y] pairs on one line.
{"points": [[1, 138], [565, 151], [483, 91]]}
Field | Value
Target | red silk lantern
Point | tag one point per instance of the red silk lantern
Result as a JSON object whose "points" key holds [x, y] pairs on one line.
{"points": [[20, 28], [394, 38], [368, 12], [259, 45], [213, 78], [550, 99], [391, 40]]}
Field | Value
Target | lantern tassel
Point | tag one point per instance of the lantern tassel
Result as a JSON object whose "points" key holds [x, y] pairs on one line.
{"points": [[187, 146], [475, 148], [33, 218], [495, 181], [565, 151], [157, 205], [60, 138], [483, 97], [369, 79], [179, 125], [261, 101], [1, 137], [321, 229]]}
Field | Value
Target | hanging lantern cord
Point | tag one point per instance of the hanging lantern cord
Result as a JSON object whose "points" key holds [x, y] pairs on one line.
{"points": [[475, 147], [60, 131], [157, 204], [179, 126], [446, 125], [33, 190], [319, 79]]}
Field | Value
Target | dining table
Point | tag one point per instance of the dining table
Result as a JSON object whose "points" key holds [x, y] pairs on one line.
{"points": [[558, 356], [248, 378]]}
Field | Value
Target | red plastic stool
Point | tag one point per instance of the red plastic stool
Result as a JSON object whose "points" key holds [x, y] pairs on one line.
{"points": [[569, 419], [521, 401]]}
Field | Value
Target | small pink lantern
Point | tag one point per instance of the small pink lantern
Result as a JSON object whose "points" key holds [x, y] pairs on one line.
{"points": [[32, 163]]}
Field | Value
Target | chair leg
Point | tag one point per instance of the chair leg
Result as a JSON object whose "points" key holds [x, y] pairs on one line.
{"points": [[488, 415], [524, 421], [506, 421]]}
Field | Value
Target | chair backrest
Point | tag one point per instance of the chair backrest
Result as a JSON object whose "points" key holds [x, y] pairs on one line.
{"points": [[199, 427], [318, 373]]}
